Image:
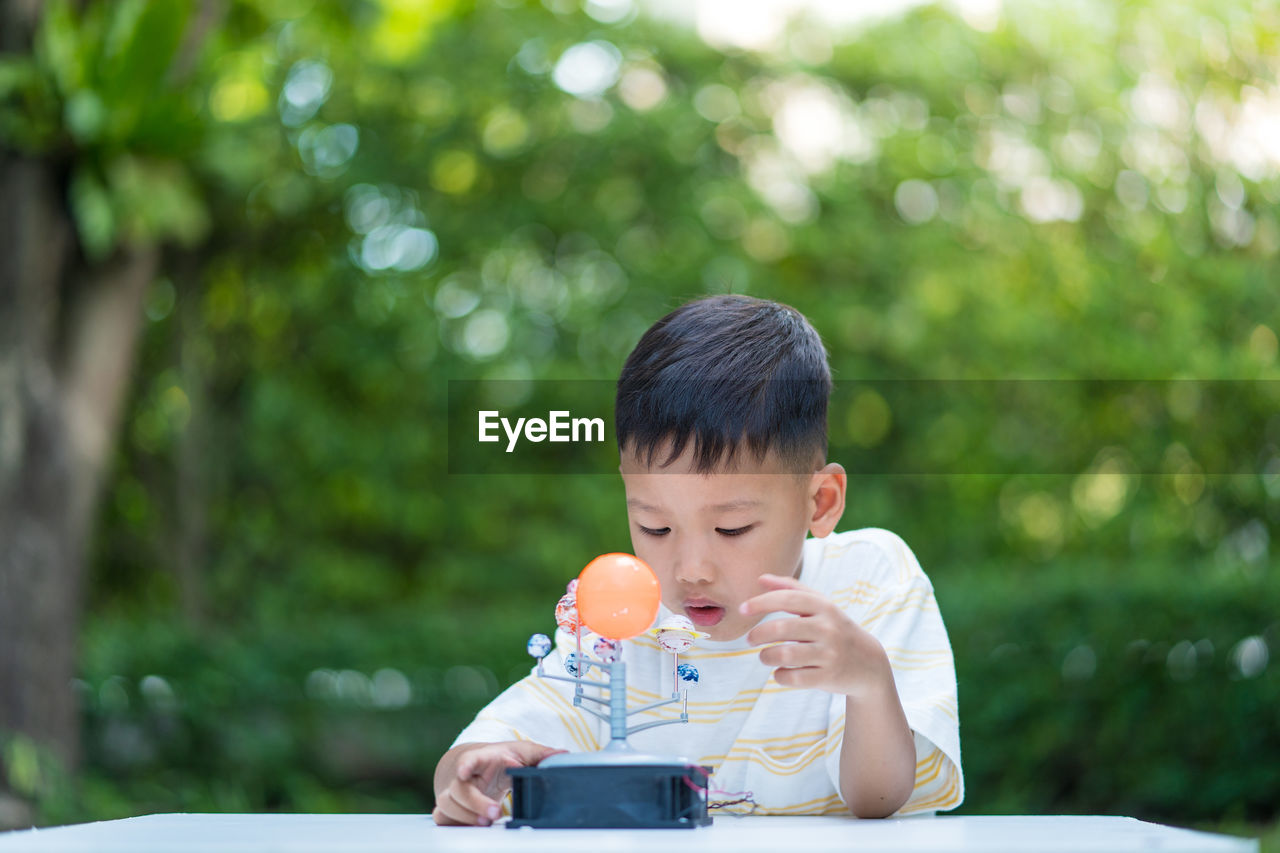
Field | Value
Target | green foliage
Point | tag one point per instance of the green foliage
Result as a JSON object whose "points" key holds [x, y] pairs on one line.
{"points": [[107, 82], [1089, 694], [283, 717], [375, 204]]}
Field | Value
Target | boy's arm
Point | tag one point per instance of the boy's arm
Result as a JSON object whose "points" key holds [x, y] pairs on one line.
{"points": [[903, 616], [824, 649], [877, 751]]}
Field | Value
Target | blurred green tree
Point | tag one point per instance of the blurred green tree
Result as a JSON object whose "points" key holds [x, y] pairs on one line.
{"points": [[95, 119], [346, 203]]}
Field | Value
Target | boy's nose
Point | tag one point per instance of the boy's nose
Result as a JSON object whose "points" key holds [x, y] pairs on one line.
{"points": [[694, 566]]}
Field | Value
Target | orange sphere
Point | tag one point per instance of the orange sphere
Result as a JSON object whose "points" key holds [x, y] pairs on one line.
{"points": [[618, 596]]}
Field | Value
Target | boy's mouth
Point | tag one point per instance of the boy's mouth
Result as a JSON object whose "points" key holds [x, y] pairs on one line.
{"points": [[703, 612]]}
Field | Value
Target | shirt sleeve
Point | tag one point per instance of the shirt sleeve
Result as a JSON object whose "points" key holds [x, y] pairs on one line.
{"points": [[536, 709], [903, 615]]}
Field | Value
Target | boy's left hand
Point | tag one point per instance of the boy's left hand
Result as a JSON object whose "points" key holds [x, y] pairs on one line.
{"points": [[822, 647]]}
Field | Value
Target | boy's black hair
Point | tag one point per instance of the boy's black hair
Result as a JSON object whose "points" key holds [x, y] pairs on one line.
{"points": [[723, 372]]}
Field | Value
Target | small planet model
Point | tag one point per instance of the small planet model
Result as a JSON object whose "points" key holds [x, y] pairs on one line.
{"points": [[607, 650], [687, 672], [618, 595], [676, 634], [539, 646], [574, 665], [567, 613]]}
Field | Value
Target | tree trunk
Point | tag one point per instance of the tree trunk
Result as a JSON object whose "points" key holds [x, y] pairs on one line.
{"points": [[68, 333], [39, 572], [67, 339], [191, 466]]}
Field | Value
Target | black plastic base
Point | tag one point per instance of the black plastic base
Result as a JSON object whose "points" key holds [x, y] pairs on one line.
{"points": [[665, 796]]}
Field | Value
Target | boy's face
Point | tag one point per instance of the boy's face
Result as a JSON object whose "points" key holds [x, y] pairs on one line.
{"points": [[709, 537]]}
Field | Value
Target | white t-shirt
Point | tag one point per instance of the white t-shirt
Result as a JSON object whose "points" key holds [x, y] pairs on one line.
{"points": [[779, 746]]}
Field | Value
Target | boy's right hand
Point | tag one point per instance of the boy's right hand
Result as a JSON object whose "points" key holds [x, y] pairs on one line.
{"points": [[473, 795]]}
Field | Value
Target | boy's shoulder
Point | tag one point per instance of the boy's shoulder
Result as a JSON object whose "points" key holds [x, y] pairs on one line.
{"points": [[871, 555]]}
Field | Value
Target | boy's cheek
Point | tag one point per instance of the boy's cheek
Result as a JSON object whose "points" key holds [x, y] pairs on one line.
{"points": [[670, 594]]}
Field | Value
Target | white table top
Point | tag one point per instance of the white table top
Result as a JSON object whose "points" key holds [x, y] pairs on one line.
{"points": [[195, 833]]}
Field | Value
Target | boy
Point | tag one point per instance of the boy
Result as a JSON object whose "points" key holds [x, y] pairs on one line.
{"points": [[827, 681]]}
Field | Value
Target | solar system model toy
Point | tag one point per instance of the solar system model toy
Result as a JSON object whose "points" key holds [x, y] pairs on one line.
{"points": [[616, 597]]}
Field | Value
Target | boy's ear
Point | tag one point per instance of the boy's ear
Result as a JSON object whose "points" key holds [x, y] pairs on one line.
{"points": [[826, 499]]}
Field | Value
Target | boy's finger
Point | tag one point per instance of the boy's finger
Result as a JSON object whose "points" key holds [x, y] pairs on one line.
{"points": [[789, 655], [440, 817], [771, 581], [529, 754], [800, 676], [472, 763], [484, 764], [797, 601], [783, 631], [450, 812], [472, 799]]}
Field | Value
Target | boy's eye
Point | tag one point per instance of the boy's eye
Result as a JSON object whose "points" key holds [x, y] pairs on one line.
{"points": [[661, 531], [737, 531]]}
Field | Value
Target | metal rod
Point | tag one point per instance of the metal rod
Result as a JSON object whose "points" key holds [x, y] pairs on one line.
{"points": [[596, 685], [593, 712], [618, 701], [657, 704], [644, 726]]}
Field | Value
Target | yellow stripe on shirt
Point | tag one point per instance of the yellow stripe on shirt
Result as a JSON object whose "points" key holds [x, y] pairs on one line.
{"points": [[914, 599], [546, 696], [819, 805], [828, 745], [922, 604], [810, 734], [924, 777], [949, 797]]}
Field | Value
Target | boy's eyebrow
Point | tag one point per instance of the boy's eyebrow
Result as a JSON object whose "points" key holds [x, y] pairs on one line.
{"points": [[741, 503]]}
